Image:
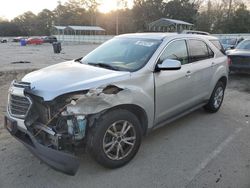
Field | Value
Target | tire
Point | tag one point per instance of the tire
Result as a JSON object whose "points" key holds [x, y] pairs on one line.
{"points": [[216, 98], [116, 130]]}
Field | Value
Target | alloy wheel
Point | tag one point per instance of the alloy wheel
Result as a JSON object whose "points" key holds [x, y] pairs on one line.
{"points": [[119, 140], [218, 97]]}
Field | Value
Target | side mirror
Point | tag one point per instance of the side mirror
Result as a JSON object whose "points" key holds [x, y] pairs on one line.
{"points": [[169, 64]]}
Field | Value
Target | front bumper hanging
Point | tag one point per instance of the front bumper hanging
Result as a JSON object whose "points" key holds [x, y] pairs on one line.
{"points": [[58, 160]]}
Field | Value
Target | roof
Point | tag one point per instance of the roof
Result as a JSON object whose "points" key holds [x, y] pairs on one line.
{"points": [[85, 28], [60, 27], [168, 22]]}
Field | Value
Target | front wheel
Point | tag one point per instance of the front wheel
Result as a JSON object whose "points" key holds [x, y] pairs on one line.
{"points": [[115, 138], [216, 98]]}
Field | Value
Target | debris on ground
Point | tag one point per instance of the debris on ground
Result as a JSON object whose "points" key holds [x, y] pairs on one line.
{"points": [[218, 179], [20, 62]]}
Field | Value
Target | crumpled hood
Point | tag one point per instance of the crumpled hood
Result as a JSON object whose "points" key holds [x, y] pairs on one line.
{"points": [[68, 77], [238, 52]]}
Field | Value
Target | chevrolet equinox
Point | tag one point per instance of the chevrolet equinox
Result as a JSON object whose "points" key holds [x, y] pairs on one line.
{"points": [[106, 101]]}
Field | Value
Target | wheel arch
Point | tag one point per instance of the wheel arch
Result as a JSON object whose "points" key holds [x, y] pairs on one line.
{"points": [[224, 80], [136, 110], [220, 74]]}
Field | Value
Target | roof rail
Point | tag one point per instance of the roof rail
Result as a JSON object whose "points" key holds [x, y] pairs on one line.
{"points": [[195, 32]]}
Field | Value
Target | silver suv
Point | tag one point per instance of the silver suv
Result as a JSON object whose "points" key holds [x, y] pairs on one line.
{"points": [[106, 101]]}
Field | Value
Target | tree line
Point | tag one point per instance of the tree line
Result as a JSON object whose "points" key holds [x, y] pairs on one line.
{"points": [[214, 16]]}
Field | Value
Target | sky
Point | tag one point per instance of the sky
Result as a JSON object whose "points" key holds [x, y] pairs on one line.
{"points": [[12, 8]]}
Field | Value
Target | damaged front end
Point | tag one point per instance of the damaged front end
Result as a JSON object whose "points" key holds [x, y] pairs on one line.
{"points": [[55, 131]]}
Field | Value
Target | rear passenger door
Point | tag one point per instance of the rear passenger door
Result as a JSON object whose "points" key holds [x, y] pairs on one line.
{"points": [[202, 58]]}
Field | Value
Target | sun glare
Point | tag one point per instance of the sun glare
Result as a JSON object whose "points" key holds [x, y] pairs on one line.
{"points": [[111, 5], [108, 5]]}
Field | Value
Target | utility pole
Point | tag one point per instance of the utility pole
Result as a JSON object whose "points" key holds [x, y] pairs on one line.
{"points": [[117, 17], [117, 22], [120, 4], [230, 8]]}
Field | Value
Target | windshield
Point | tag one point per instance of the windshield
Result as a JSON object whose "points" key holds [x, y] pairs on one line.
{"points": [[122, 54], [229, 41], [244, 45]]}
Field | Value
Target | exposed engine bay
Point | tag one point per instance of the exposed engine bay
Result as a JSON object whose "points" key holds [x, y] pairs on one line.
{"points": [[54, 127], [59, 124]]}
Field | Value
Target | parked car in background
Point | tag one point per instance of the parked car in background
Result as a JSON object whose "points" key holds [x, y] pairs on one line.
{"points": [[107, 100], [18, 39], [230, 43], [49, 39], [34, 40], [3, 40], [240, 57]]}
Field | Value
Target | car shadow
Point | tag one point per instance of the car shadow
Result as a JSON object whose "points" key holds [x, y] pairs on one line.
{"points": [[240, 82], [152, 139]]}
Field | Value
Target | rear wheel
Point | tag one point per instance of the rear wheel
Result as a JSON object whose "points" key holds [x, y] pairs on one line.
{"points": [[216, 98], [115, 138]]}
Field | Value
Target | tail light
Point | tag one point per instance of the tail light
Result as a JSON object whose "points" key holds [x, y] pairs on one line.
{"points": [[229, 61]]}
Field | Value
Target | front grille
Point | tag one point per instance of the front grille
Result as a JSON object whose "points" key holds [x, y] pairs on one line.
{"points": [[19, 106]]}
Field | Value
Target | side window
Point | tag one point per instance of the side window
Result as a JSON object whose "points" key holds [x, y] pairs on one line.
{"points": [[176, 50], [198, 50]]}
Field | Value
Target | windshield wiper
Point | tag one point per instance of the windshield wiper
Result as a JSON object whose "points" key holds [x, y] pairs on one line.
{"points": [[104, 65]]}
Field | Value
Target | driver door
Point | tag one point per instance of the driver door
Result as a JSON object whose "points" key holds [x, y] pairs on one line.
{"points": [[173, 88]]}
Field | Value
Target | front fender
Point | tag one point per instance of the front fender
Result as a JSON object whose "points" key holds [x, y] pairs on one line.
{"points": [[98, 100]]}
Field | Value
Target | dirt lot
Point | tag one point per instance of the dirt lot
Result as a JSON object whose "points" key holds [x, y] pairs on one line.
{"points": [[38, 55], [198, 150]]}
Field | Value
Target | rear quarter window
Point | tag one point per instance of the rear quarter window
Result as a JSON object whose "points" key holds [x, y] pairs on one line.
{"points": [[218, 45]]}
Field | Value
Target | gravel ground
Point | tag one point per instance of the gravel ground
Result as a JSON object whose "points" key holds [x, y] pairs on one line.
{"points": [[38, 55], [198, 150]]}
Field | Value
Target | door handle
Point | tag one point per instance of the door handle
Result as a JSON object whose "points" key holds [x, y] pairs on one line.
{"points": [[188, 74], [213, 64]]}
